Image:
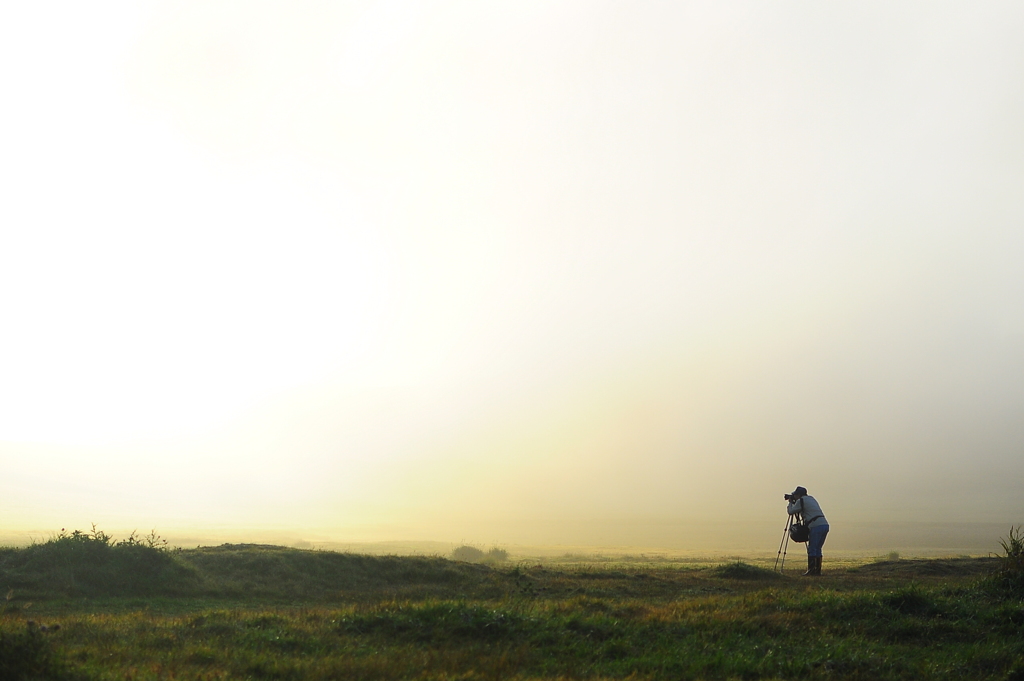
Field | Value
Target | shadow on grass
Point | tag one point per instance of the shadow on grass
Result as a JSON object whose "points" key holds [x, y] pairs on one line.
{"points": [[745, 571]]}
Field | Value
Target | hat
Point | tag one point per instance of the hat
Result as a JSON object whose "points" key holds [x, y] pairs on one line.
{"points": [[800, 492]]}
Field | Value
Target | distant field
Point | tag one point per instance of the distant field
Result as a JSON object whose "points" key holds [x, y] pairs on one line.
{"points": [[664, 537], [259, 612]]}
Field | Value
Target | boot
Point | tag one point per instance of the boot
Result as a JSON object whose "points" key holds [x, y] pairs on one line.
{"points": [[817, 566], [811, 563]]}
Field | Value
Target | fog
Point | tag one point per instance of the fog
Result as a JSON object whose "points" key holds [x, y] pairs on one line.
{"points": [[540, 273]]}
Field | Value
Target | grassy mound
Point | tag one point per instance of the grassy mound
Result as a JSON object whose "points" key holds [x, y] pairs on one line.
{"points": [[741, 570], [275, 571], [931, 567], [93, 564]]}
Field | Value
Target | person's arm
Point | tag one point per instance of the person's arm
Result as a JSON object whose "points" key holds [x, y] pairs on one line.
{"points": [[796, 506]]}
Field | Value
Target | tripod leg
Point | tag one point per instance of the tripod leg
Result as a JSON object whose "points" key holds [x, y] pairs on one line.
{"points": [[785, 536], [784, 554], [779, 554]]}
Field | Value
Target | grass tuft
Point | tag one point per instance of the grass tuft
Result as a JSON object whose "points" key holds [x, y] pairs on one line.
{"points": [[28, 656], [910, 600]]}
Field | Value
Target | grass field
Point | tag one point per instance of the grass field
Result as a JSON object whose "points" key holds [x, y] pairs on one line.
{"points": [[86, 607]]}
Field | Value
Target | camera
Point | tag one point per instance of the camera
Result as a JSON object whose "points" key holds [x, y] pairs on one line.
{"points": [[796, 494]]}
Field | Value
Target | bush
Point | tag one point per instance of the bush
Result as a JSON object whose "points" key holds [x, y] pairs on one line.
{"points": [[468, 554], [471, 554]]}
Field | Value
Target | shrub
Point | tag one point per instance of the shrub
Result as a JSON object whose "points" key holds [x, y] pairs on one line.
{"points": [[468, 554], [471, 554]]}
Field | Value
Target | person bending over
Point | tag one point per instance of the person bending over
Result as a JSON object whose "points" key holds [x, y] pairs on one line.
{"points": [[806, 508]]}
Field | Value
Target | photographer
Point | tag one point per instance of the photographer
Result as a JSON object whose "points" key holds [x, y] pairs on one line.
{"points": [[807, 510]]}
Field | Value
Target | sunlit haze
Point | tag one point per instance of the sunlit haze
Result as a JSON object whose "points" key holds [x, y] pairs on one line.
{"points": [[588, 273]]}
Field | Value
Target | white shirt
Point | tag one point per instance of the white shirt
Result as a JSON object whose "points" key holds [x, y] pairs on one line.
{"points": [[808, 507]]}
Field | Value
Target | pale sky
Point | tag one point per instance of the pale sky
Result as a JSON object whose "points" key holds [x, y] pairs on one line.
{"points": [[396, 269]]}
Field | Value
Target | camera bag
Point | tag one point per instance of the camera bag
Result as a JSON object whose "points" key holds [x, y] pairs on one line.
{"points": [[799, 532]]}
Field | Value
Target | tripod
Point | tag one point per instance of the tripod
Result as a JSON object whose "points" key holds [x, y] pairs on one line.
{"points": [[783, 546]]}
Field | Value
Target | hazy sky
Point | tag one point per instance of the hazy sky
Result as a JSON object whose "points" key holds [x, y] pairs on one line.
{"points": [[393, 269]]}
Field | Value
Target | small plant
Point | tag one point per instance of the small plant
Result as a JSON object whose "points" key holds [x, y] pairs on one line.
{"points": [[1010, 575], [150, 541], [496, 555], [80, 537], [891, 557], [98, 537]]}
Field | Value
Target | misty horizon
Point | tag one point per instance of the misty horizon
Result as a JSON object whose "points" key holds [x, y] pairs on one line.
{"points": [[541, 274]]}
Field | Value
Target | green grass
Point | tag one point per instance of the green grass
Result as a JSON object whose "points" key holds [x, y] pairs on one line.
{"points": [[258, 612]]}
